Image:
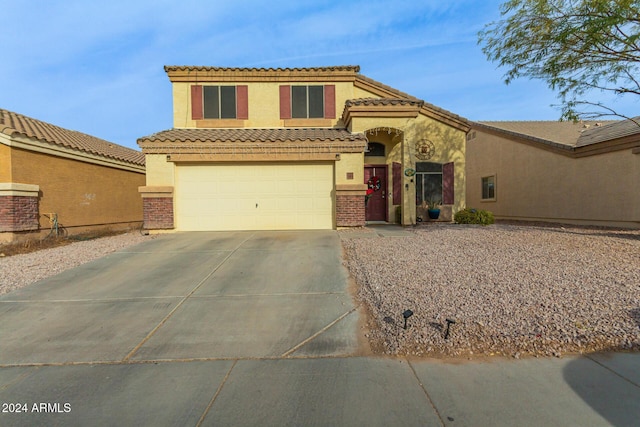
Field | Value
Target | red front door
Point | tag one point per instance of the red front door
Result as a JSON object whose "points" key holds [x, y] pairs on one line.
{"points": [[376, 179]]}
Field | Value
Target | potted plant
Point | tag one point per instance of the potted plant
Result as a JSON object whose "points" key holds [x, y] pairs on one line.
{"points": [[434, 208]]}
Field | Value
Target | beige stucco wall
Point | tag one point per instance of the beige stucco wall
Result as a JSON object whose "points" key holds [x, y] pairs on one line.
{"points": [[349, 163], [536, 184], [5, 163], [264, 104], [82, 194], [159, 171]]}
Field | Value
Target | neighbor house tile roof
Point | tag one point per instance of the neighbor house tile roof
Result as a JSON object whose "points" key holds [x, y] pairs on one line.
{"points": [[254, 135], [556, 132], [14, 124], [611, 131]]}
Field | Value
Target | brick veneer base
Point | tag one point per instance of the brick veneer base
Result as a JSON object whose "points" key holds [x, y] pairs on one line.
{"points": [[158, 213], [350, 211], [18, 213]]}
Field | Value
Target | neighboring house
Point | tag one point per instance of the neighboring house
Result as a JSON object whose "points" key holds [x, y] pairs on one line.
{"points": [[582, 173], [48, 172], [297, 148]]}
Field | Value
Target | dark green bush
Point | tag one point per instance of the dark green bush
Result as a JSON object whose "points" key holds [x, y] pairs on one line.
{"points": [[474, 216]]}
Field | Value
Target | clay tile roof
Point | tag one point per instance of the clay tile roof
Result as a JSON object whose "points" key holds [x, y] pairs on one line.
{"points": [[253, 135], [425, 105], [13, 124], [383, 102], [610, 131], [387, 88], [556, 132], [170, 68]]}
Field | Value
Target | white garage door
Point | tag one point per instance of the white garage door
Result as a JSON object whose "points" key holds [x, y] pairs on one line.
{"points": [[263, 196]]}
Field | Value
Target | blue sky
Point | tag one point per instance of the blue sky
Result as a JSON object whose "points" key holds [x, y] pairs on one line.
{"points": [[97, 66]]}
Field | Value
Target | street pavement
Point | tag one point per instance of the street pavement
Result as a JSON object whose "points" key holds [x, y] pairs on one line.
{"points": [[261, 328]]}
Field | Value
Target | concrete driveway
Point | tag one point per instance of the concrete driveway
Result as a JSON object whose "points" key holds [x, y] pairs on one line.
{"points": [[259, 329], [189, 296]]}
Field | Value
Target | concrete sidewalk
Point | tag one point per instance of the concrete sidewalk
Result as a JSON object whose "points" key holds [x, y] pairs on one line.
{"points": [[357, 391], [260, 329]]}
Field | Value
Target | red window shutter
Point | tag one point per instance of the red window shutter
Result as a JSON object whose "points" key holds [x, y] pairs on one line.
{"points": [[330, 102], [397, 183], [447, 184], [196, 103], [242, 102], [285, 102]]}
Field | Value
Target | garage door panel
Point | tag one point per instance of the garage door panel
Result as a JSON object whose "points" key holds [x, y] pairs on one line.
{"points": [[224, 197]]}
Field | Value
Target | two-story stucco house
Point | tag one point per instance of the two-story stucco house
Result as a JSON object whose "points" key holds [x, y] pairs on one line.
{"points": [[298, 148]]}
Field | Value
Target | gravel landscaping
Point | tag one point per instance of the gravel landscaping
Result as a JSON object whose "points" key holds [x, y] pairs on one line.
{"points": [[20, 270], [512, 290]]}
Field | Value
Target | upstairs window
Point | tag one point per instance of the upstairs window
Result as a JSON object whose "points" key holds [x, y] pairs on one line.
{"points": [[308, 102], [219, 102]]}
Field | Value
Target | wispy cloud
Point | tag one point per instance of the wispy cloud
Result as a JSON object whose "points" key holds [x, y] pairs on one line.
{"points": [[97, 66]]}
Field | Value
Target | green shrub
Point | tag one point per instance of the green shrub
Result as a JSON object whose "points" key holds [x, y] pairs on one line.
{"points": [[474, 216]]}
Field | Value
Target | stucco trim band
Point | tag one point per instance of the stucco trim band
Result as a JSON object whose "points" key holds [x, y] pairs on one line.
{"points": [[17, 189], [156, 191], [351, 189], [238, 157]]}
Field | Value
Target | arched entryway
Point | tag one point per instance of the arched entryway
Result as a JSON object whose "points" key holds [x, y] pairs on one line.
{"points": [[382, 161]]}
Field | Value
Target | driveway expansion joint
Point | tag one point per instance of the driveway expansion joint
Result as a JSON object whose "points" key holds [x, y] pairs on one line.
{"points": [[426, 393], [597, 362], [217, 393], [168, 316], [295, 348]]}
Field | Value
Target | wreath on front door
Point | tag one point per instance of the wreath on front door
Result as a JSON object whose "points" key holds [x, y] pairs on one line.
{"points": [[374, 183]]}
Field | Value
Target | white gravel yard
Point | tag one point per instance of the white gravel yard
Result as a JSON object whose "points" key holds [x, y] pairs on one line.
{"points": [[512, 289], [20, 270]]}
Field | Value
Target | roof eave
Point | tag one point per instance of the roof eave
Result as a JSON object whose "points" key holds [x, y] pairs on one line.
{"points": [[388, 111], [218, 74]]}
